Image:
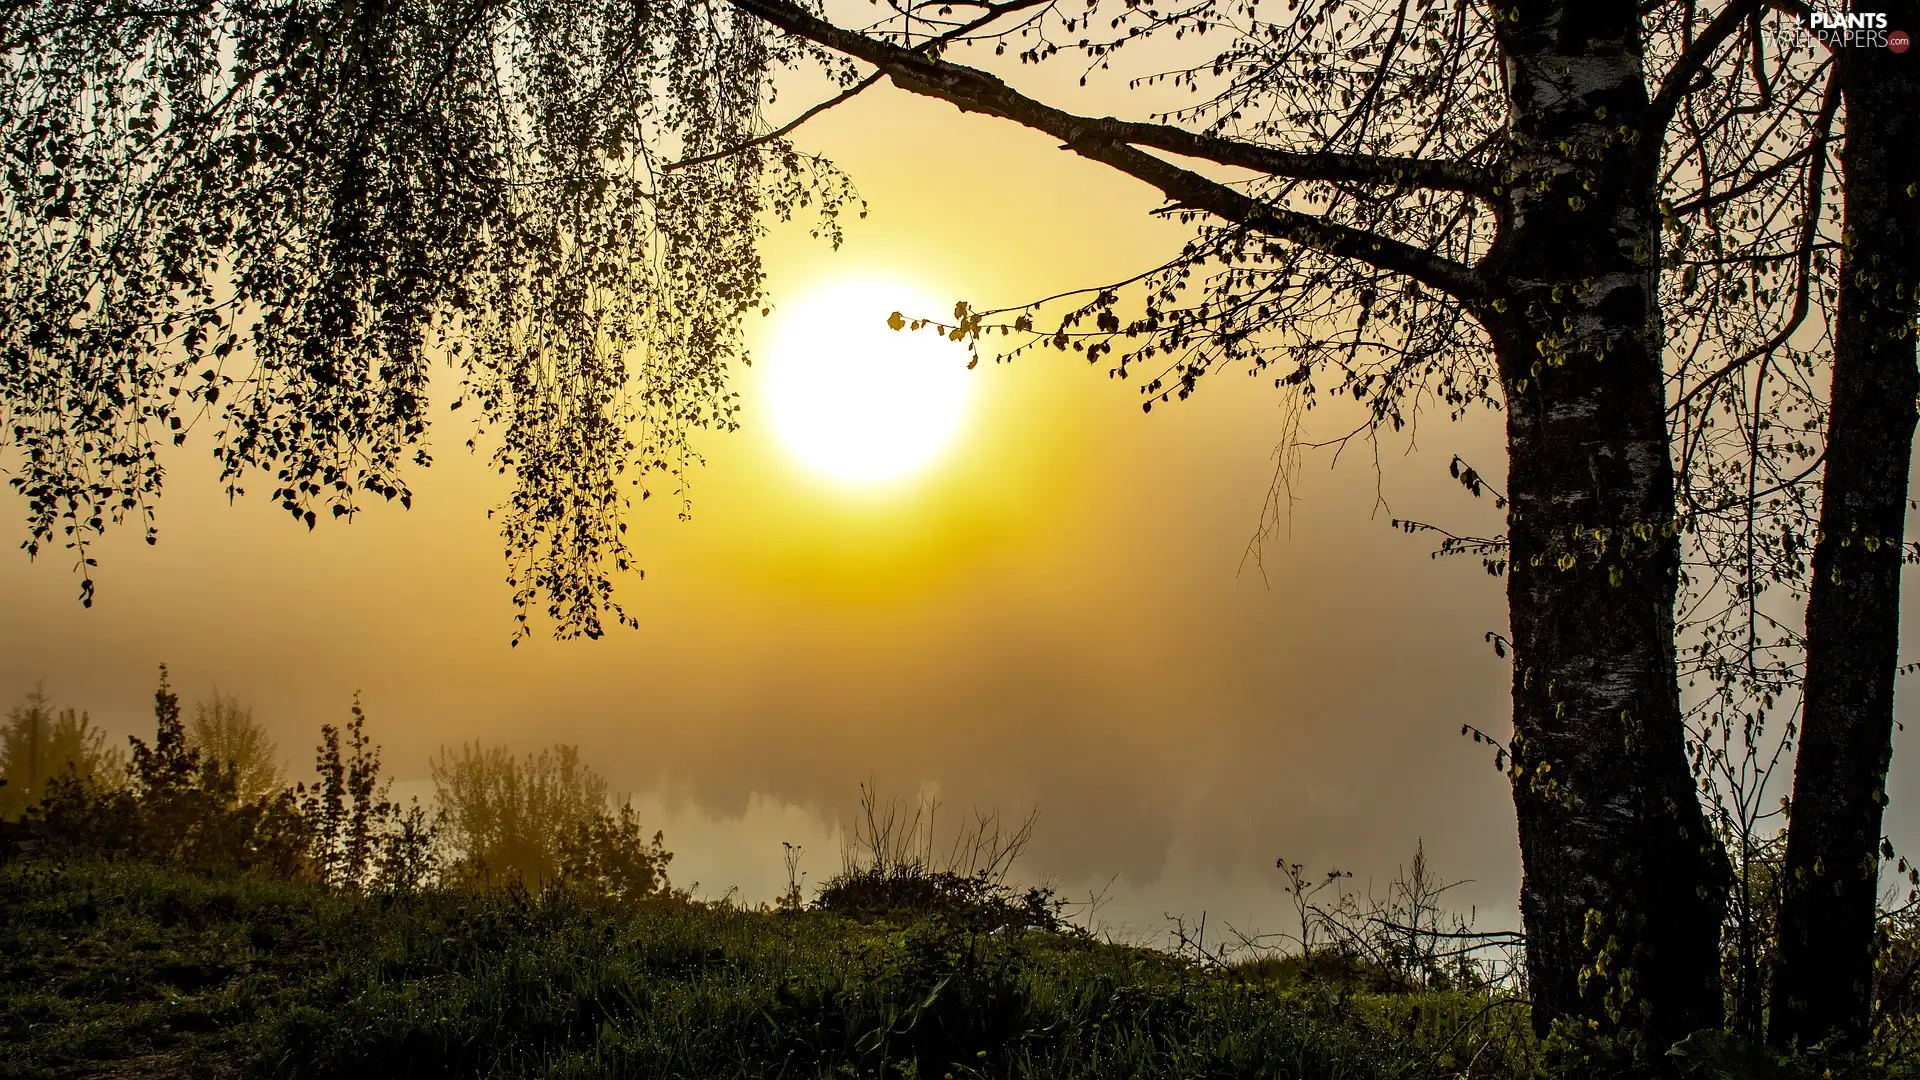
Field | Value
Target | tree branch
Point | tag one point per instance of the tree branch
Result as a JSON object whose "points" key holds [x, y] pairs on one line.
{"points": [[1707, 200], [1345, 168], [1111, 142], [780, 132], [1190, 189], [974, 90], [1694, 60], [1809, 229]]}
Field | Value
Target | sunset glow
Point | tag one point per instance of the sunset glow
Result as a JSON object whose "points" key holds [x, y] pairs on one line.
{"points": [[854, 400]]}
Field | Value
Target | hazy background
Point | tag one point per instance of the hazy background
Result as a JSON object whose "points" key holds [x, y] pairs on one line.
{"points": [[1058, 615]]}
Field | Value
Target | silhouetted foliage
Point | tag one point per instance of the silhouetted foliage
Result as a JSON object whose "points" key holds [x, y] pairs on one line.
{"points": [[609, 855], [1408, 940], [893, 867], [182, 807], [502, 822], [266, 225], [346, 808], [1895, 1029]]}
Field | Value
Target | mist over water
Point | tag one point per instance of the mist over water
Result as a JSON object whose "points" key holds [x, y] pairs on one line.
{"points": [[1176, 721]]}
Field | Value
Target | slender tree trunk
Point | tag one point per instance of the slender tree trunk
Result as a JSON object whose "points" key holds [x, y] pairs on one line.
{"points": [[1823, 982], [1624, 885]]}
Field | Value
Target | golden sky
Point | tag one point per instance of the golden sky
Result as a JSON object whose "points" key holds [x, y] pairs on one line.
{"points": [[1056, 613]]}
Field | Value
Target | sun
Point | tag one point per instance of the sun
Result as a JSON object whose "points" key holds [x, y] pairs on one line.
{"points": [[853, 399]]}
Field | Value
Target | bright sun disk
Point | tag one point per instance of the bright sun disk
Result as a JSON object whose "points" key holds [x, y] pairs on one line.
{"points": [[855, 400]]}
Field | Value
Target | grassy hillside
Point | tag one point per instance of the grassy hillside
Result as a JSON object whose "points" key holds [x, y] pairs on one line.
{"points": [[123, 970]]}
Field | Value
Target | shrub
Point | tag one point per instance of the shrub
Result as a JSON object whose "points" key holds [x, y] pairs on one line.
{"points": [[182, 807], [891, 866], [609, 855], [209, 798], [1407, 941]]}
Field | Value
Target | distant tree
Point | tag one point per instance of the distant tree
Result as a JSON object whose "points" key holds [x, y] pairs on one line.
{"points": [[542, 819], [226, 734], [505, 816], [170, 767], [182, 806], [39, 746], [176, 808]]}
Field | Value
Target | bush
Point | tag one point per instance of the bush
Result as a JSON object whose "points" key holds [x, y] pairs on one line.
{"points": [[1408, 941], [891, 867], [182, 807], [175, 807], [209, 798], [609, 855]]}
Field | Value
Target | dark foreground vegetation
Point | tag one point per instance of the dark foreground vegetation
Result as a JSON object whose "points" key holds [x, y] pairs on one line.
{"points": [[127, 969], [136, 970], [182, 910]]}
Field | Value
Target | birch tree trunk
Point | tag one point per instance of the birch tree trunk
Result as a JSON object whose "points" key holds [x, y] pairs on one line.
{"points": [[1623, 883]]}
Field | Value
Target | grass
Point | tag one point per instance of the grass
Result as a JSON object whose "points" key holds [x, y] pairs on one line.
{"points": [[110, 970]]}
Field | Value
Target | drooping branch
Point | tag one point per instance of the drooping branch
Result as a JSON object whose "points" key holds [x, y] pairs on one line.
{"points": [[1117, 143]]}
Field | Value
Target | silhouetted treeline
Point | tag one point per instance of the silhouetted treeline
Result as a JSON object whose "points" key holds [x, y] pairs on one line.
{"points": [[209, 796]]}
